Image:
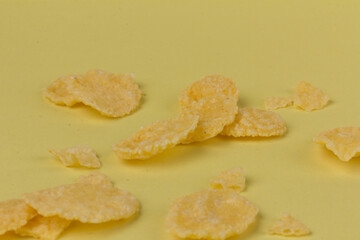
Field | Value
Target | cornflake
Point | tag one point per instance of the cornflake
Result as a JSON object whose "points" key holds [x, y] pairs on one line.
{"points": [[61, 91], [309, 98], [344, 142], [230, 179], [44, 228], [215, 112], [77, 155], [14, 214], [87, 203], [156, 138], [210, 214], [288, 226], [255, 122], [96, 178], [273, 103], [209, 86]]}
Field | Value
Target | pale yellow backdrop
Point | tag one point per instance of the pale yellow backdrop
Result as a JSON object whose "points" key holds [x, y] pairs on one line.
{"points": [[265, 46]]}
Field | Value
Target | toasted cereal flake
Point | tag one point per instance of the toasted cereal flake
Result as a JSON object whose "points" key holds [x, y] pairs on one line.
{"points": [[77, 155], [113, 95], [344, 142], [288, 226], [210, 214], [209, 86], [96, 178], [232, 178], [14, 214], [273, 103], [87, 203], [215, 112], [255, 122], [44, 228], [309, 98], [156, 138], [61, 91]]}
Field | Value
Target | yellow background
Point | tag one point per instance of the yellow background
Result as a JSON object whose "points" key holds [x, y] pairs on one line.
{"points": [[265, 46]]}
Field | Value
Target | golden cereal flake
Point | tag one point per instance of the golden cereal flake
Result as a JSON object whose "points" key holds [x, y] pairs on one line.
{"points": [[344, 142], [210, 214], [209, 86], [77, 155], [232, 178], [113, 95], [254, 122], [156, 138], [273, 103], [288, 226], [309, 98], [14, 214], [215, 112], [61, 91], [96, 178], [87, 203], [44, 228]]}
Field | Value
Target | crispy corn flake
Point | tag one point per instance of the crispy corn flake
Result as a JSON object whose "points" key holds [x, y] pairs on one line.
{"points": [[77, 155], [210, 214], [156, 138], [344, 142], [14, 214], [232, 178], [87, 203], [309, 98], [273, 103], [96, 178], [215, 112], [113, 95], [288, 226], [209, 86], [61, 91], [44, 228], [254, 122]]}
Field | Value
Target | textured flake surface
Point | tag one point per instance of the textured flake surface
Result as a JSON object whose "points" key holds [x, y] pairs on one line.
{"points": [[273, 103], [232, 178], [288, 226], [309, 98], [61, 91]]}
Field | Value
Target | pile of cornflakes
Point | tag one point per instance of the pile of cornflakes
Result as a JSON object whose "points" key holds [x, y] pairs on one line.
{"points": [[47, 213]]}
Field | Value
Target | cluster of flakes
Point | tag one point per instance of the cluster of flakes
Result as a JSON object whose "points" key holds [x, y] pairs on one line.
{"points": [[77, 156], [47, 213], [288, 226], [307, 98], [344, 142], [217, 213], [113, 95]]}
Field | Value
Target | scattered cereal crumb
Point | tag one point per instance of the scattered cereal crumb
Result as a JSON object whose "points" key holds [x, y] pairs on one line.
{"points": [[232, 178], [77, 155], [288, 226], [96, 178], [273, 103], [210, 214], [255, 122], [156, 138], [309, 98], [343, 142]]}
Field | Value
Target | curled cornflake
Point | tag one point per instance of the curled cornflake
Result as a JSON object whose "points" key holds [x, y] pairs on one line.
{"points": [[211, 214], [14, 214], [273, 103], [77, 155], [230, 179], [288, 226], [309, 98], [156, 138], [215, 112], [44, 228], [209, 86], [344, 142], [254, 122], [61, 91], [96, 178], [87, 203]]}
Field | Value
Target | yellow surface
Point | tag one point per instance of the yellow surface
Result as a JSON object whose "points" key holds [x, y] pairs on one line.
{"points": [[265, 46]]}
